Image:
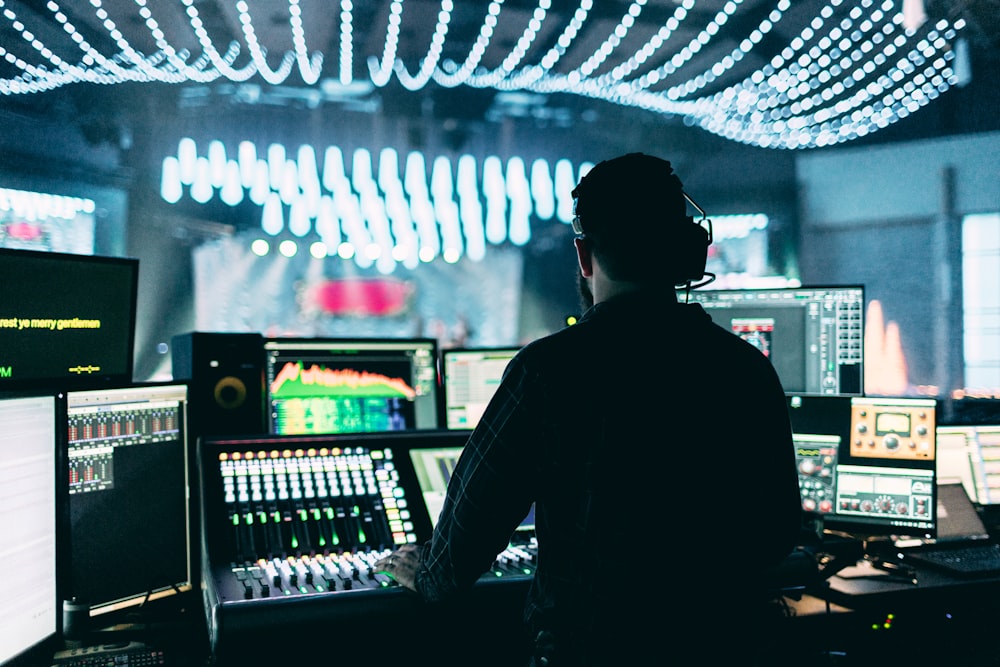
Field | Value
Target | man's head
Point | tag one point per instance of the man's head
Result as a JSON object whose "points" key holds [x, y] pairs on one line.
{"points": [[632, 214]]}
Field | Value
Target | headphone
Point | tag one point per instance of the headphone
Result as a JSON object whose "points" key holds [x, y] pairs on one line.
{"points": [[688, 250]]}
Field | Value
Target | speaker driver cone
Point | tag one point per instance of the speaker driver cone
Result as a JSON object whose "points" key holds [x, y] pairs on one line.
{"points": [[230, 393]]}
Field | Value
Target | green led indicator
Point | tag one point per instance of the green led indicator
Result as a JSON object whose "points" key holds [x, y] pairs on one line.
{"points": [[303, 515], [316, 513], [249, 519], [236, 519], [295, 542], [329, 513]]}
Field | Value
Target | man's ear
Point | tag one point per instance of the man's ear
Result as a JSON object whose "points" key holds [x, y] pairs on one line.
{"points": [[584, 257]]}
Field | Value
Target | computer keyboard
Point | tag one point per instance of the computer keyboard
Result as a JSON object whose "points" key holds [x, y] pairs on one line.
{"points": [[970, 560], [123, 654]]}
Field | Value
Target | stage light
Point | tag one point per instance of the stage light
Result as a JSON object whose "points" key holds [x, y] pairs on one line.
{"points": [[272, 219], [246, 156], [260, 247], [170, 180], [232, 188], [201, 188], [187, 159]]}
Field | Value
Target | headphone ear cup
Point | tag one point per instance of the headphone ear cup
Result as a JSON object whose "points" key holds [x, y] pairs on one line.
{"points": [[689, 250]]}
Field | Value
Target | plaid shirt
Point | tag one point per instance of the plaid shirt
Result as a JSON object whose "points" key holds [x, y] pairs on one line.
{"points": [[650, 439]]}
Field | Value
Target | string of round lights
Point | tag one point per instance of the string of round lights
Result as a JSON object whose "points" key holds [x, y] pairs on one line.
{"points": [[853, 68]]}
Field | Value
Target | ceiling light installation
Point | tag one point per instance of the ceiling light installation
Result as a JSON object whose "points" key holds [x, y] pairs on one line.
{"points": [[770, 73]]}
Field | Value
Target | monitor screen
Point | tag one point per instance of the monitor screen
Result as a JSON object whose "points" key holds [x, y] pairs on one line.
{"points": [[814, 336], [67, 319], [434, 463], [970, 454], [867, 466], [129, 523], [469, 378], [350, 385], [28, 527]]}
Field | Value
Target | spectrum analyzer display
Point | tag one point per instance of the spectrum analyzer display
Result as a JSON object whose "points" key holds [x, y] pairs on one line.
{"points": [[336, 385]]}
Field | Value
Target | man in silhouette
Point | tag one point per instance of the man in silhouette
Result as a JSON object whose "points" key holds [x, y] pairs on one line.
{"points": [[654, 444]]}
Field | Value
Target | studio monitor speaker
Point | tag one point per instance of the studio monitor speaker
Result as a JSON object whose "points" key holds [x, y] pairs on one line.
{"points": [[225, 375]]}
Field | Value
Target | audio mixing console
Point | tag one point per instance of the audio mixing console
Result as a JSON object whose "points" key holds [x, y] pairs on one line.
{"points": [[292, 525]]}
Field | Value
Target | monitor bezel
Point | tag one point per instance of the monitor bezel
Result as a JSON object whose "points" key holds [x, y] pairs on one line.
{"points": [[40, 650], [147, 603], [840, 425], [698, 294], [448, 356], [401, 344], [80, 262]]}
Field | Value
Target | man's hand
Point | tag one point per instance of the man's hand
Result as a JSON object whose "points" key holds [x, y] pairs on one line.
{"points": [[402, 565]]}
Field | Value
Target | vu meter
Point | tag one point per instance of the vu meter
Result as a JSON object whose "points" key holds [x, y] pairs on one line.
{"points": [[893, 428]]}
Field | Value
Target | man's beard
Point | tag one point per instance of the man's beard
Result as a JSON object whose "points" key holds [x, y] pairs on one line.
{"points": [[586, 296]]}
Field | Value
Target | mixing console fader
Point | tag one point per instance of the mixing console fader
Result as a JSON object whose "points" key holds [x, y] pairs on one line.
{"points": [[293, 525]]}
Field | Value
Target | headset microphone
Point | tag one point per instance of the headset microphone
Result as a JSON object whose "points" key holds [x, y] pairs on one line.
{"points": [[688, 250]]}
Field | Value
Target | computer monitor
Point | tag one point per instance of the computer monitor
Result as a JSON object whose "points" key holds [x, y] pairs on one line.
{"points": [[469, 378], [68, 320], [970, 454], [434, 462], [29, 612], [867, 465], [814, 336], [350, 385], [130, 536]]}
